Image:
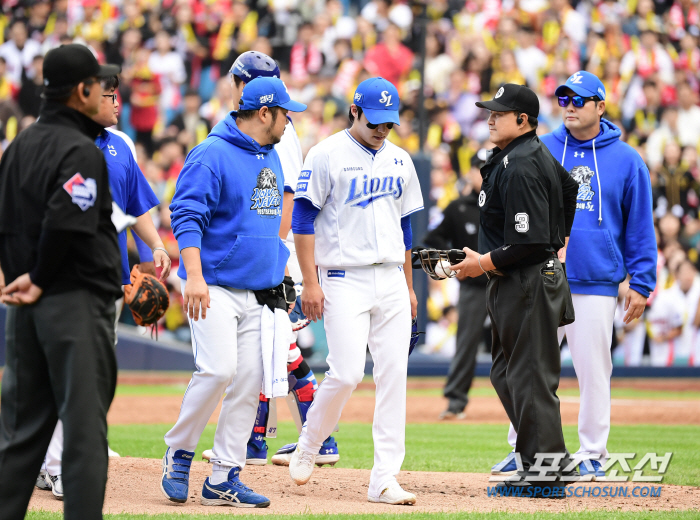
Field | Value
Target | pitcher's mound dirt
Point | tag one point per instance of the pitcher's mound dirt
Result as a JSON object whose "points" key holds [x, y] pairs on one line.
{"points": [[134, 487]]}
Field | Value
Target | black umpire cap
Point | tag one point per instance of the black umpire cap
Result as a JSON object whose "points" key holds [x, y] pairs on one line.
{"points": [[513, 98], [68, 65]]}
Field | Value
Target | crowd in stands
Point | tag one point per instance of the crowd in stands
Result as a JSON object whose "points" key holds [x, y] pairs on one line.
{"points": [[175, 57]]}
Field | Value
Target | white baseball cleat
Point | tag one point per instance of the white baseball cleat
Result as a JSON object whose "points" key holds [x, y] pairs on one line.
{"points": [[112, 453], [394, 494], [301, 466]]}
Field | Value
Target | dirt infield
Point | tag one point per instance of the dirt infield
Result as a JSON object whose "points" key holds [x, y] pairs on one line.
{"points": [[134, 487]]}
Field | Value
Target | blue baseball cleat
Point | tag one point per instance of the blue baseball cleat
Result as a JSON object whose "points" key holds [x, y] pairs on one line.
{"points": [[176, 475], [328, 454], [232, 493], [256, 454], [591, 470], [507, 466]]}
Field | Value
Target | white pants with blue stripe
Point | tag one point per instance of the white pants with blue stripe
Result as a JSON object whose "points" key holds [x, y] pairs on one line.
{"points": [[227, 351], [365, 306]]}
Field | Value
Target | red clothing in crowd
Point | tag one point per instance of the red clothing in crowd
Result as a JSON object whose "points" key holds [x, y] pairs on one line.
{"points": [[305, 60], [392, 66], [145, 90]]}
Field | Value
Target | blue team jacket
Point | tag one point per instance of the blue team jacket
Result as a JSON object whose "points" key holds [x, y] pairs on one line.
{"points": [[130, 190], [228, 203], [613, 232]]}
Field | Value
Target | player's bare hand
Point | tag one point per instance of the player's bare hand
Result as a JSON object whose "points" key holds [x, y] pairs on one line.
{"points": [[196, 297], [21, 291], [634, 305], [312, 300], [469, 267], [561, 254], [161, 259], [414, 303], [148, 268]]}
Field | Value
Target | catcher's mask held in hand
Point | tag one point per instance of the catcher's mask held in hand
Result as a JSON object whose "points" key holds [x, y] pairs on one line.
{"points": [[147, 297], [432, 259]]}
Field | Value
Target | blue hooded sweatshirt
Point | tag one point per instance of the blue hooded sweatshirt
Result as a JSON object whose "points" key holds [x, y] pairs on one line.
{"points": [[613, 232], [228, 203]]}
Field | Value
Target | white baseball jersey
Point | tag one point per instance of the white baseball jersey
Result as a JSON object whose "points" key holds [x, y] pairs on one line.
{"points": [[362, 198], [289, 150]]}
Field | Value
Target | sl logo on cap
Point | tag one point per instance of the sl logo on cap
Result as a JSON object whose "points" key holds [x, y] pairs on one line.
{"points": [[576, 78], [499, 93], [266, 99], [386, 98], [358, 97]]}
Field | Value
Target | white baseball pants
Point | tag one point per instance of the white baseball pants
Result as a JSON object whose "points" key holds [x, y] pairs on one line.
{"points": [[225, 344], [54, 453], [366, 306], [589, 339]]}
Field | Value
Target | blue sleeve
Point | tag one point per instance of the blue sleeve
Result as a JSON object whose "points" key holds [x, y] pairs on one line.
{"points": [[195, 200], [303, 217], [145, 253], [640, 255], [140, 194], [407, 232]]}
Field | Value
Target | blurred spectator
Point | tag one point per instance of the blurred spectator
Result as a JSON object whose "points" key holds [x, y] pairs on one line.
{"points": [[306, 59], [688, 115], [170, 69], [189, 127], [145, 92], [18, 52], [390, 58], [30, 94]]}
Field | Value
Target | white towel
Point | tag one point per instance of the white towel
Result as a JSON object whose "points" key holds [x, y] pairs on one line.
{"points": [[275, 339]]}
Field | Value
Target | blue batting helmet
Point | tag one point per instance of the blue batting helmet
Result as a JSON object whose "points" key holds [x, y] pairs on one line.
{"points": [[253, 64]]}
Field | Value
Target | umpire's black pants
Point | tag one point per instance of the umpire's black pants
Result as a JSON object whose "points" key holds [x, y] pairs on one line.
{"points": [[526, 307], [60, 364], [470, 332]]}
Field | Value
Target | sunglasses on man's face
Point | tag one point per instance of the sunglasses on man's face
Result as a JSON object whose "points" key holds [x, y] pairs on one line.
{"points": [[578, 101], [372, 126]]}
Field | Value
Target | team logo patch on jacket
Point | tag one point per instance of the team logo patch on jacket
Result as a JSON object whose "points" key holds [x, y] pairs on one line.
{"points": [[83, 192], [266, 196], [584, 198]]}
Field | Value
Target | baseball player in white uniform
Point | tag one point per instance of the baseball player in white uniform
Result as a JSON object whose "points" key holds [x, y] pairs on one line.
{"points": [[351, 219], [302, 382]]}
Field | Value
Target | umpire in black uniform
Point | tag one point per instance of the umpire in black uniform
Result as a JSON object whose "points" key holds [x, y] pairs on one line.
{"points": [[460, 228], [60, 257], [528, 202]]}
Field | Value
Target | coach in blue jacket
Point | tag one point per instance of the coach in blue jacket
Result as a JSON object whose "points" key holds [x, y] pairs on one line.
{"points": [[226, 215], [612, 236]]}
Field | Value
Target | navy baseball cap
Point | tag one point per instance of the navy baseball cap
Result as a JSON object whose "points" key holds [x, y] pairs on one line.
{"points": [[379, 101], [268, 92], [584, 84]]}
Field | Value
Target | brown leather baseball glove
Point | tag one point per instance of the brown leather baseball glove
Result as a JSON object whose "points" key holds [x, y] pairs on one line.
{"points": [[147, 297]]}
